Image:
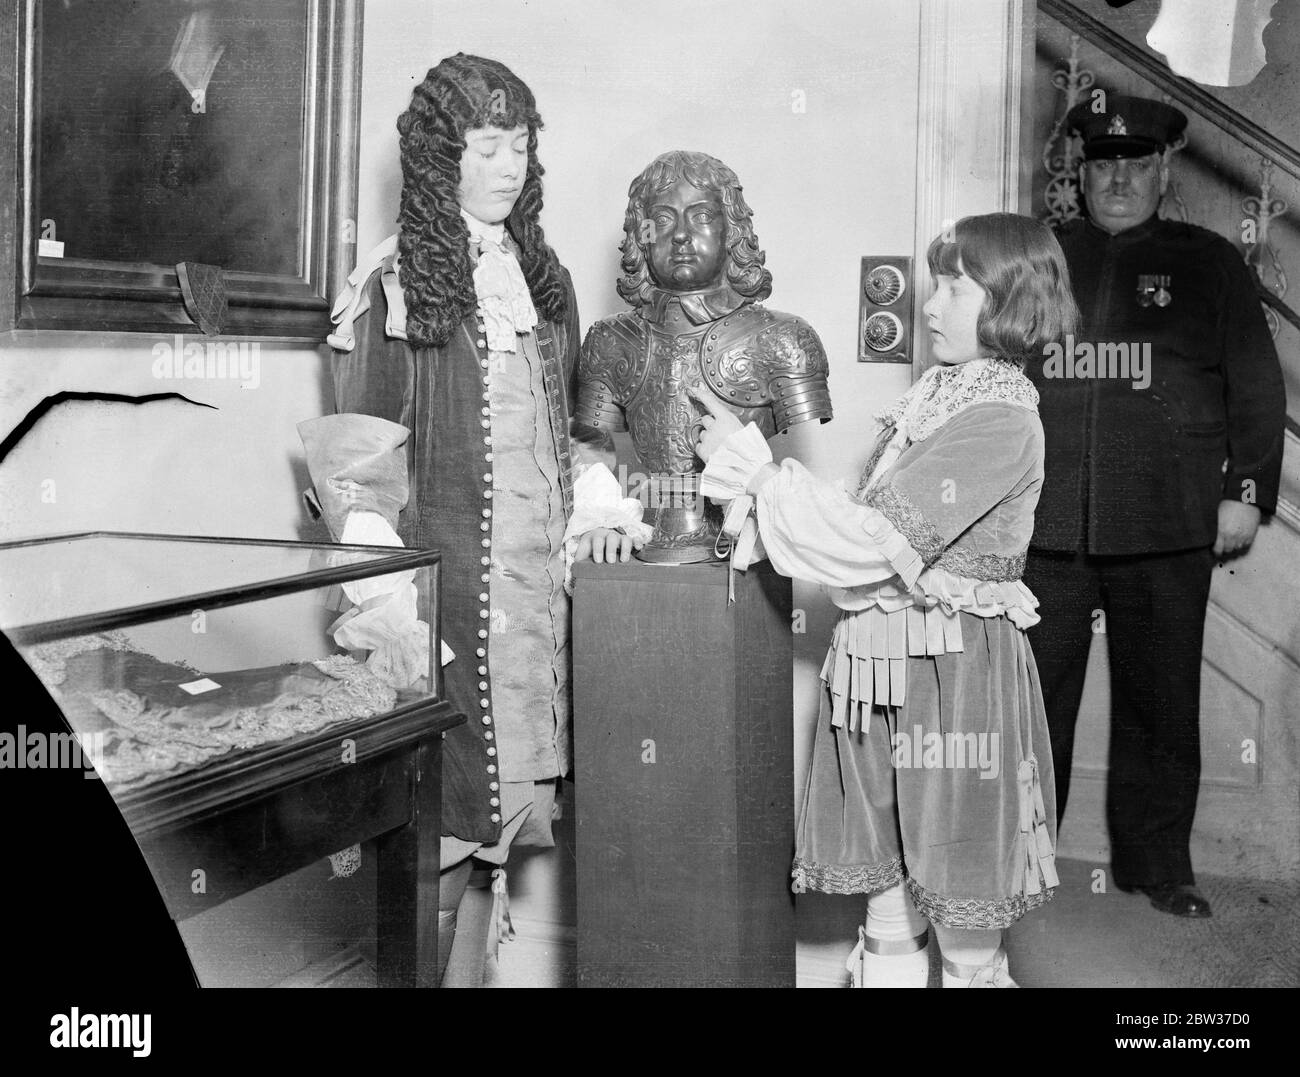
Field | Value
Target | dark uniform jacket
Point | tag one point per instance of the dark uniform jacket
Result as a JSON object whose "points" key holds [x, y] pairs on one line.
{"points": [[1133, 470], [436, 393]]}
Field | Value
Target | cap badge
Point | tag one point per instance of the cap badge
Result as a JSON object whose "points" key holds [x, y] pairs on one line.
{"points": [[1117, 126]]}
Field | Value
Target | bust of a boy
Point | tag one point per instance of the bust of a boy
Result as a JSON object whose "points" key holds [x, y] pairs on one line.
{"points": [[693, 272]]}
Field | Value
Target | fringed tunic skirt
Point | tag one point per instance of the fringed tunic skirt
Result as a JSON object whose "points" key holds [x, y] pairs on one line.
{"points": [[927, 768]]}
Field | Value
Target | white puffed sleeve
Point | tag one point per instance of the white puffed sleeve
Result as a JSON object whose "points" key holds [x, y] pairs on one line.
{"points": [[811, 529]]}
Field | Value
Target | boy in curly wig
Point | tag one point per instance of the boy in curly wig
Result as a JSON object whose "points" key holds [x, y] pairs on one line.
{"points": [[462, 332]]}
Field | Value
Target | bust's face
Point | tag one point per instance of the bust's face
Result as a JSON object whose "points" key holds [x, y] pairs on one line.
{"points": [[685, 238]]}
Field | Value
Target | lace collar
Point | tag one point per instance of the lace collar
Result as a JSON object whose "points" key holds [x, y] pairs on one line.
{"points": [[481, 230], [942, 391], [505, 305]]}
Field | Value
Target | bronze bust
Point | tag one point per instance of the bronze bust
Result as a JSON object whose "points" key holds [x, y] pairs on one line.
{"points": [[693, 271]]}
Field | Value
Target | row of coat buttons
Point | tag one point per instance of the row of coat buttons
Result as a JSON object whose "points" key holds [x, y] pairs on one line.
{"points": [[485, 612]]}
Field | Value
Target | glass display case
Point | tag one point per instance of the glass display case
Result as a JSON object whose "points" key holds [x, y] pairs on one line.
{"points": [[227, 689]]}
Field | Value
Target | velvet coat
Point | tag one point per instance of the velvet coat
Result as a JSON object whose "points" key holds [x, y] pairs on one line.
{"points": [[436, 393]]}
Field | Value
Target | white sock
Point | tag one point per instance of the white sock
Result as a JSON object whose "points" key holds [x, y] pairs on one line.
{"points": [[892, 916], [891, 950]]}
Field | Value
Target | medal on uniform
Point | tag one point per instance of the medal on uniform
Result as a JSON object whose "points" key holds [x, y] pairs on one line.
{"points": [[1153, 288], [1162, 296], [1146, 292]]}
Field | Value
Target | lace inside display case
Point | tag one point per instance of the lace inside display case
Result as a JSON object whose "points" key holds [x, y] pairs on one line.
{"points": [[207, 681]]}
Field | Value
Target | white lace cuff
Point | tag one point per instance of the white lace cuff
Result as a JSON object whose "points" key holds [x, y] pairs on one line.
{"points": [[902, 558], [598, 501]]}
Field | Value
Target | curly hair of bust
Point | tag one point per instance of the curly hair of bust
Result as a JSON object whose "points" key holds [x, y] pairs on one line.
{"points": [[458, 95], [745, 272], [1019, 263]]}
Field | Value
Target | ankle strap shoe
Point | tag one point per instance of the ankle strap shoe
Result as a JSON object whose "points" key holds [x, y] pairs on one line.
{"points": [[994, 974]]}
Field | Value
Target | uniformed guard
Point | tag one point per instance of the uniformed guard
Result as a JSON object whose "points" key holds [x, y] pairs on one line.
{"points": [[1164, 426]]}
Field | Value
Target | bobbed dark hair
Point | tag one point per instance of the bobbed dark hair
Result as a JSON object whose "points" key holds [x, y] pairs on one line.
{"points": [[1019, 263], [458, 95], [745, 258]]}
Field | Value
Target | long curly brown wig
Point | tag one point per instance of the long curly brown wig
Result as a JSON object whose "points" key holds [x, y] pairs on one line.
{"points": [[460, 94], [745, 258]]}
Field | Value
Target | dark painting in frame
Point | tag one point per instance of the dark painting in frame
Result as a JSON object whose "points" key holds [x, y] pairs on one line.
{"points": [[210, 143]]}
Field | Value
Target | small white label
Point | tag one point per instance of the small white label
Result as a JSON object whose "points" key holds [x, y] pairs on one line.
{"points": [[447, 653], [196, 688], [49, 248]]}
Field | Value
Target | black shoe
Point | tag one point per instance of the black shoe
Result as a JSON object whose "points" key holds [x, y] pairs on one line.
{"points": [[1177, 899]]}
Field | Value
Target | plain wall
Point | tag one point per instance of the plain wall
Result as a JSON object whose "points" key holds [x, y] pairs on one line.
{"points": [[233, 468]]}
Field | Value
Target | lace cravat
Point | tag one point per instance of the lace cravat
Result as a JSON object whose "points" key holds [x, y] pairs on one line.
{"points": [[505, 306]]}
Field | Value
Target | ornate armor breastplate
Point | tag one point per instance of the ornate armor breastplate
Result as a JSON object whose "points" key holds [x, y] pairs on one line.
{"points": [[635, 375], [660, 413], [770, 369]]}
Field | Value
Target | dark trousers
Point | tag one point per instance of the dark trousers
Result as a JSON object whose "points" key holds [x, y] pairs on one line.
{"points": [[1154, 619]]}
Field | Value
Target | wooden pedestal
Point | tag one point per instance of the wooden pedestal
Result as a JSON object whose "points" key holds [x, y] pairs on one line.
{"points": [[683, 776]]}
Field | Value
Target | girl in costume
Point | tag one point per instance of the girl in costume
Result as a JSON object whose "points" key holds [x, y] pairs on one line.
{"points": [[462, 332], [930, 785]]}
